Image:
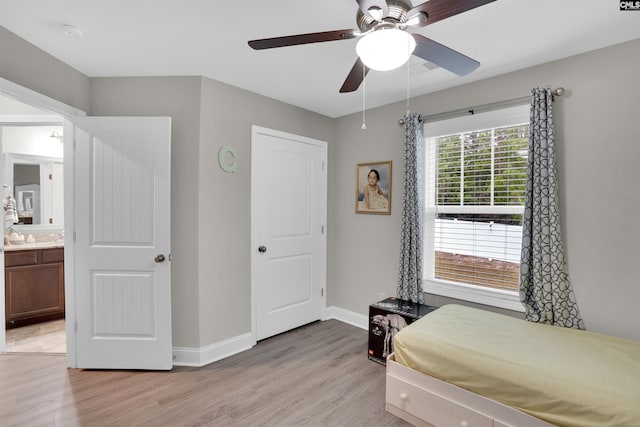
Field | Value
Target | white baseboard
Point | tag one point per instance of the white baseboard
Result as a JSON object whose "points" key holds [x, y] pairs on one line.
{"points": [[198, 357], [351, 317], [184, 356]]}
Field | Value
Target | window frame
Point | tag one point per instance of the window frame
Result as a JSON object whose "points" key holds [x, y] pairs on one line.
{"points": [[488, 120]]}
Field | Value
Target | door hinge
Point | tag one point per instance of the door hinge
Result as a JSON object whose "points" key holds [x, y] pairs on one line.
{"points": [[74, 236], [75, 326], [323, 165], [50, 177], [322, 231], [321, 292]]}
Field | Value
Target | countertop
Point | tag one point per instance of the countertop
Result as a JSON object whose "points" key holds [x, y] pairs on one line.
{"points": [[36, 245]]}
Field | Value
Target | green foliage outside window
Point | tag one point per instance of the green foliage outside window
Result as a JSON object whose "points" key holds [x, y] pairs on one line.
{"points": [[470, 173]]}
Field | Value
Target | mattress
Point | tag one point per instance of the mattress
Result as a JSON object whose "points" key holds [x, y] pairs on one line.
{"points": [[564, 376]]}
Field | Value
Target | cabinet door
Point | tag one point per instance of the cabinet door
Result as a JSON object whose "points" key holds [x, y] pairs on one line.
{"points": [[34, 292]]}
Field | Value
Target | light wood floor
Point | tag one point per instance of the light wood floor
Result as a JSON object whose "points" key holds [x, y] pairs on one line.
{"points": [[46, 337], [317, 375]]}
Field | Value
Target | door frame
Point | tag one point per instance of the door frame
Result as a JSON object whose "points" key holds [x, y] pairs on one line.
{"points": [[255, 130], [67, 112]]}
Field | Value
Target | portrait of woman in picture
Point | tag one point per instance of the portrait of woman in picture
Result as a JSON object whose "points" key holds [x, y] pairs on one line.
{"points": [[373, 192]]}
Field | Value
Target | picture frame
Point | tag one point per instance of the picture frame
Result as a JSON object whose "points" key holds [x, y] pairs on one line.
{"points": [[373, 199]]}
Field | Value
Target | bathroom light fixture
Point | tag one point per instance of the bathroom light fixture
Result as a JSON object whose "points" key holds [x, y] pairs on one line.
{"points": [[385, 49], [56, 135]]}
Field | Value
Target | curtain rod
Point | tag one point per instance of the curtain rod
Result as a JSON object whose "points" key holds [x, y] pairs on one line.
{"points": [[481, 108]]}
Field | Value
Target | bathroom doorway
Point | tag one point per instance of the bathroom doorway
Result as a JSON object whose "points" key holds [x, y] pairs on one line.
{"points": [[31, 142]]}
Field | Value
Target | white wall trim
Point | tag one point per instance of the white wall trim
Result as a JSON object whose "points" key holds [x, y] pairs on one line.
{"points": [[38, 100], [25, 120], [489, 297], [66, 113], [198, 357], [351, 317]]}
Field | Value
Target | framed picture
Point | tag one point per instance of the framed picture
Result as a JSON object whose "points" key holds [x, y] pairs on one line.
{"points": [[373, 188]]}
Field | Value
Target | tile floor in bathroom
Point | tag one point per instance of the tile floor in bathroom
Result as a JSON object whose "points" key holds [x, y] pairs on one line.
{"points": [[46, 337]]}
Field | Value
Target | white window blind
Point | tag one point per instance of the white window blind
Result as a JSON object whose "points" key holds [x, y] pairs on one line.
{"points": [[475, 197]]}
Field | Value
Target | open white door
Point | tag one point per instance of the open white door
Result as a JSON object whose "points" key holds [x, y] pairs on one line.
{"points": [[122, 242], [288, 216]]}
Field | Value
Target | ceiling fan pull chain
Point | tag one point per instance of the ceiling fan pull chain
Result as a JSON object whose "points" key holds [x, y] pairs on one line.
{"points": [[364, 90]]}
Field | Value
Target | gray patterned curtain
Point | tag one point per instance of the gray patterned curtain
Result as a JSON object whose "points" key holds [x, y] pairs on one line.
{"points": [[411, 246], [545, 290]]}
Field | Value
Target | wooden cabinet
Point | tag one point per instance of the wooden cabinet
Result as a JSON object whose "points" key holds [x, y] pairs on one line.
{"points": [[34, 286]]}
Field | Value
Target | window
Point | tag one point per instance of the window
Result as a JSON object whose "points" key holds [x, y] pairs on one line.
{"points": [[476, 175]]}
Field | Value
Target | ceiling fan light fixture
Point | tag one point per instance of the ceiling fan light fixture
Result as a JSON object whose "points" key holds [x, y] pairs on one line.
{"points": [[385, 49]]}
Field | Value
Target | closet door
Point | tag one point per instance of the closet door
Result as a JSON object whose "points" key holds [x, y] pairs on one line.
{"points": [[288, 217]]}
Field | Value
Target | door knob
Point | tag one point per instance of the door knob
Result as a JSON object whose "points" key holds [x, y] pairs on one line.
{"points": [[159, 258], [262, 249]]}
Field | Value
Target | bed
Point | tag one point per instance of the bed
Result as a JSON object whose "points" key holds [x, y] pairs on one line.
{"points": [[460, 366]]}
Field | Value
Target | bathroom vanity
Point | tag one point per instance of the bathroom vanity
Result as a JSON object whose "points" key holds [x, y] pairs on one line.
{"points": [[34, 283], [34, 240]]}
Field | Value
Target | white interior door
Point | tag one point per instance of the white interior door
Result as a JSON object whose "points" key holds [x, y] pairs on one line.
{"points": [[122, 242], [288, 216]]}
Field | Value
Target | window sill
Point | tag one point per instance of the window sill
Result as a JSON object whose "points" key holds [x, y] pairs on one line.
{"points": [[493, 297]]}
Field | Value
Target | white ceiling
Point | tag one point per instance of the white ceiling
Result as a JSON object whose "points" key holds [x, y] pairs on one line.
{"points": [[209, 38]]}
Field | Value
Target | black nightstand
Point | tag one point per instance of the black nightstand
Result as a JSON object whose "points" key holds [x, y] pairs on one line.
{"points": [[386, 318]]}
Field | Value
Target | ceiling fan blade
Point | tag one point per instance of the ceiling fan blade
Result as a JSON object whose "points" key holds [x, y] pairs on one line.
{"points": [[443, 56], [437, 10], [365, 5], [355, 77], [298, 39]]}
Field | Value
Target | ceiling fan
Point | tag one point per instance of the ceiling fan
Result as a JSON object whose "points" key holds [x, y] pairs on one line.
{"points": [[383, 18]]}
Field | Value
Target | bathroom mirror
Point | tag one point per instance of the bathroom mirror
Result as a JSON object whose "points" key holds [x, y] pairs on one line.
{"points": [[33, 156], [37, 185]]}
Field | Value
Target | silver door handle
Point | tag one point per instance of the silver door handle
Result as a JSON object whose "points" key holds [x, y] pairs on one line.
{"points": [[159, 258]]}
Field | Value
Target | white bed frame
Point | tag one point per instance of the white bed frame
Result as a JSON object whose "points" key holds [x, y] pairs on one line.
{"points": [[423, 400]]}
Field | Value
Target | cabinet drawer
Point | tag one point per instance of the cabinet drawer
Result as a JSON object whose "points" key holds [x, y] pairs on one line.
{"points": [[12, 259], [52, 255], [432, 408]]}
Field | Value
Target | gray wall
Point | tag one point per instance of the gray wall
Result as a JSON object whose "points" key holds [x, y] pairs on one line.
{"points": [[224, 211], [597, 129], [210, 208], [26, 65], [598, 154], [26, 174]]}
